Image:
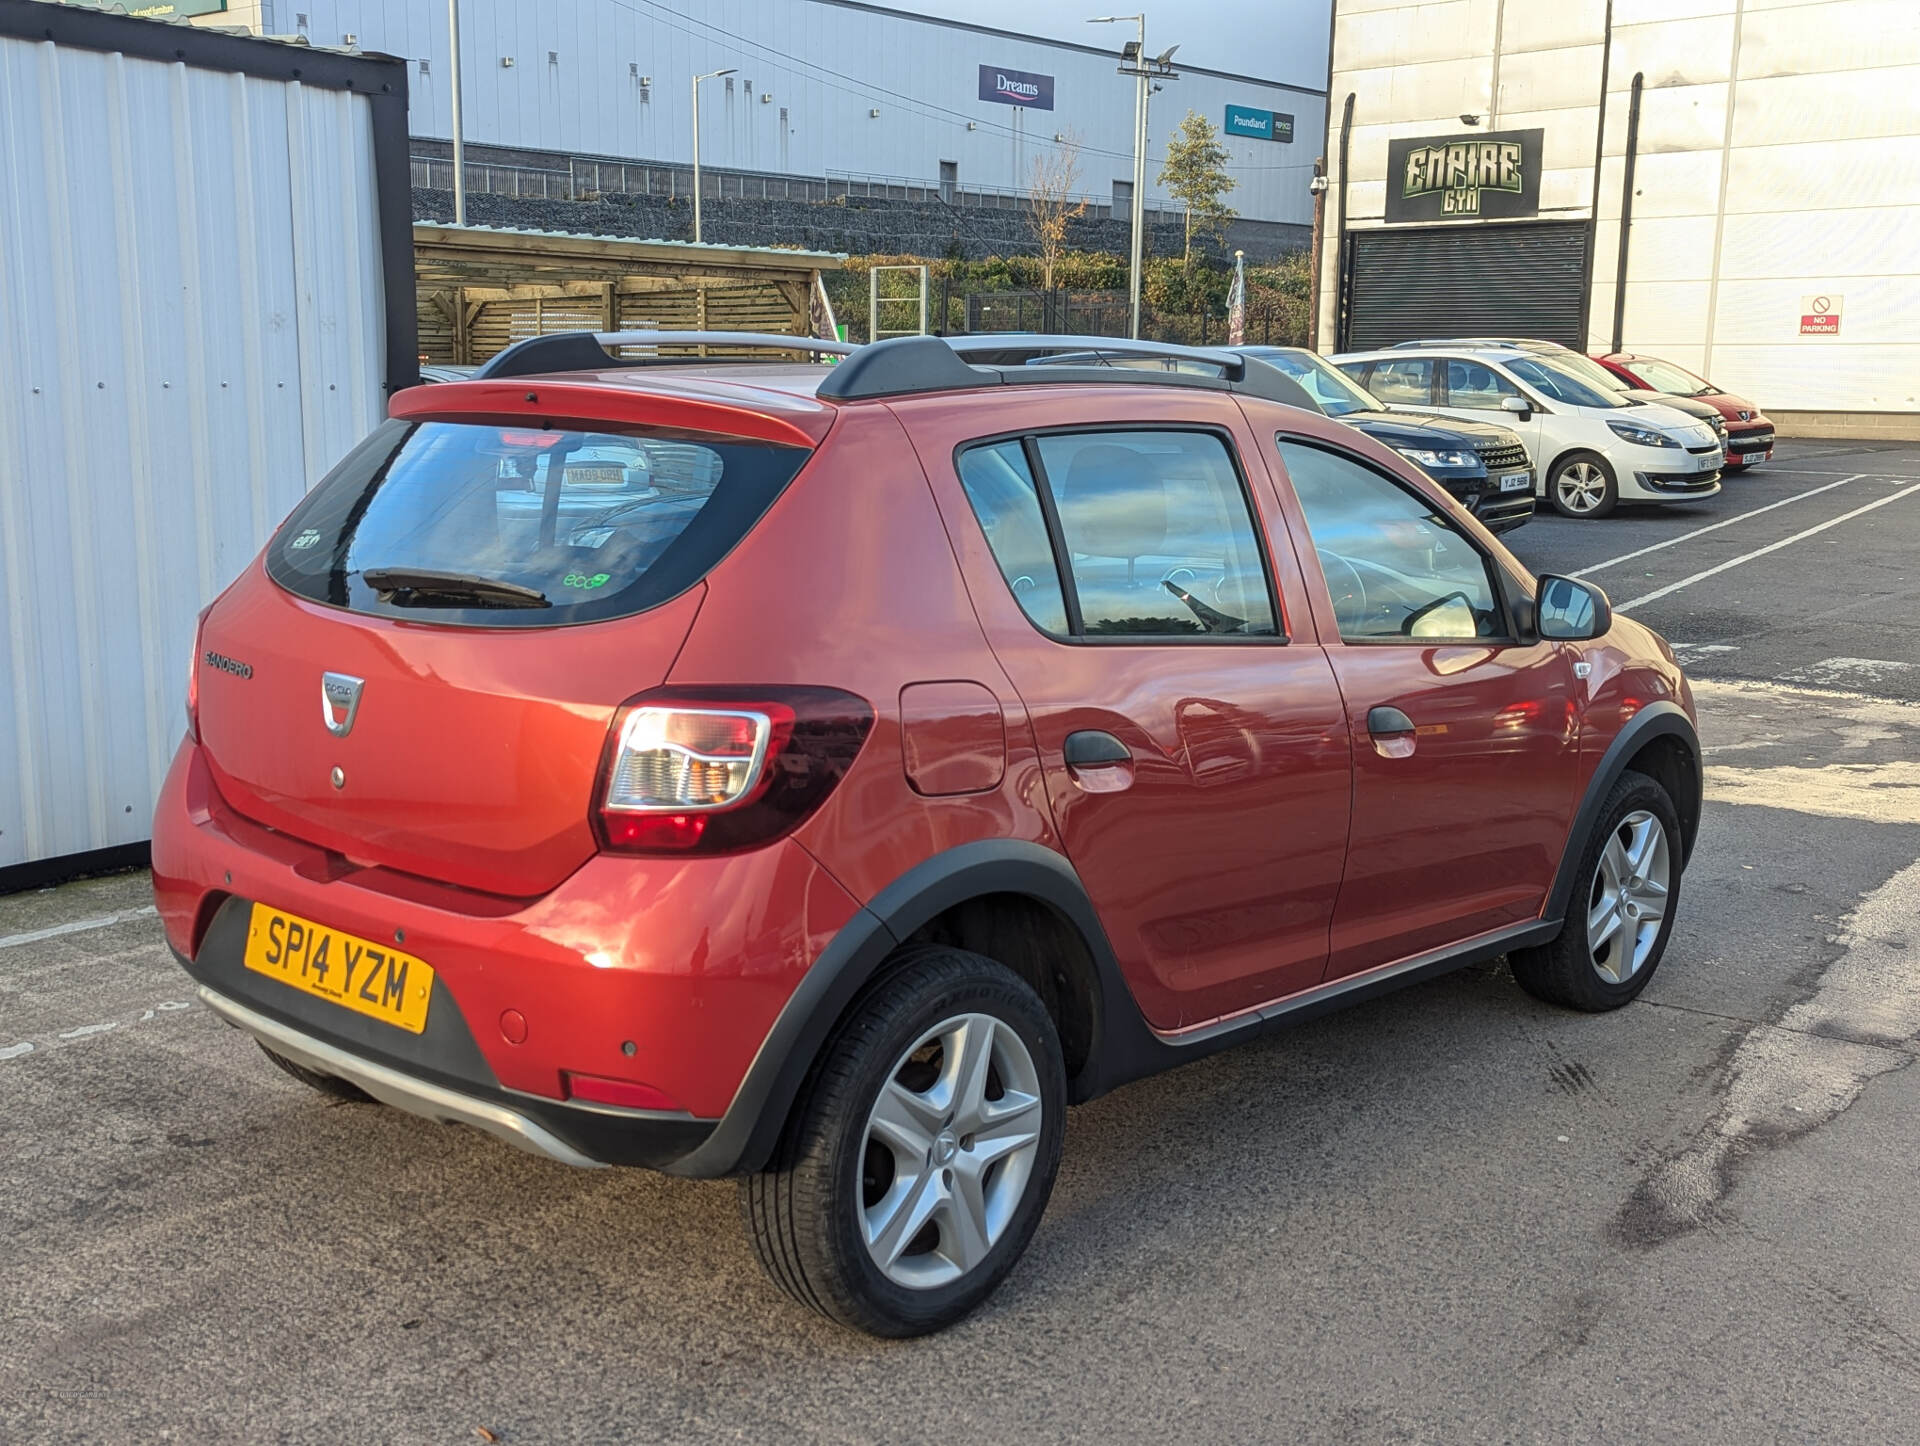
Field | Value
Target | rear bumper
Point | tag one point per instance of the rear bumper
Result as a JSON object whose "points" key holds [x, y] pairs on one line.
{"points": [[645, 970], [570, 1136]]}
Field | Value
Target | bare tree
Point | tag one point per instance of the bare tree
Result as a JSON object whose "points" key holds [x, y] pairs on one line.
{"points": [[1050, 201]]}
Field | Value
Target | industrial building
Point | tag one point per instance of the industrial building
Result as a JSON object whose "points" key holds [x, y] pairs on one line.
{"points": [[1745, 201], [822, 89]]}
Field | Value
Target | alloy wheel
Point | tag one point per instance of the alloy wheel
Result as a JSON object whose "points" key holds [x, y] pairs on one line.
{"points": [[1628, 900], [950, 1145], [1582, 486]]}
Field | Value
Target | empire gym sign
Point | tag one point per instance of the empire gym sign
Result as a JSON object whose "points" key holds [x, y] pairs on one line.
{"points": [[1493, 175]]}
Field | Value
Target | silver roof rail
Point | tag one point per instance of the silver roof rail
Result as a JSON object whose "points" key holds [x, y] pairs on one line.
{"points": [[906, 365], [909, 365], [586, 351], [1038, 345], [762, 340]]}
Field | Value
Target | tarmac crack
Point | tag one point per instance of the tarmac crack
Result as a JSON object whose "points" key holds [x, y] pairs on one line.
{"points": [[1788, 1078]]}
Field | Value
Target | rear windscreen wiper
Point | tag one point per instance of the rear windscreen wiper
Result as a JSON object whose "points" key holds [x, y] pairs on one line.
{"points": [[419, 587]]}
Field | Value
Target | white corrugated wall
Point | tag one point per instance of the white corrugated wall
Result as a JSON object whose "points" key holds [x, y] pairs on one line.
{"points": [[191, 333]]}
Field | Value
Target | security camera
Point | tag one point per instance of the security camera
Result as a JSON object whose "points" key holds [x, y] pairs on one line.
{"points": [[1319, 185]]}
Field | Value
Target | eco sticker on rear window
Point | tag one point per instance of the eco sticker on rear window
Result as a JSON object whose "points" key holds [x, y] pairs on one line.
{"points": [[581, 580]]}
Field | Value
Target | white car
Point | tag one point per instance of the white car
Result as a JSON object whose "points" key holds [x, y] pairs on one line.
{"points": [[1594, 448]]}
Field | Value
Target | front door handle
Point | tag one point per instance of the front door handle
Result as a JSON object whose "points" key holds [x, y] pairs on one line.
{"points": [[1393, 732], [1093, 748], [1386, 721]]}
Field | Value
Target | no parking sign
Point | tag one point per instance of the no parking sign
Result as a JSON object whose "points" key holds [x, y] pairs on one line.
{"points": [[1820, 315]]}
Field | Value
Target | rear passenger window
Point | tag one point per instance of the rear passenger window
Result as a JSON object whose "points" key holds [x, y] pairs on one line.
{"points": [[1408, 382], [1153, 529], [1001, 489]]}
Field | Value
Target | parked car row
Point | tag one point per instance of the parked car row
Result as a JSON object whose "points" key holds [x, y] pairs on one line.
{"points": [[1595, 436], [1749, 433]]}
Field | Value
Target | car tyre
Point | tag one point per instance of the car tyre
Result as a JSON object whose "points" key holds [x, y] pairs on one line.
{"points": [[1611, 940], [313, 1079], [941, 1099], [1582, 485]]}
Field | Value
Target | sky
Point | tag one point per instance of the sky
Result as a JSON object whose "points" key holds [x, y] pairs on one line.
{"points": [[1268, 39]]}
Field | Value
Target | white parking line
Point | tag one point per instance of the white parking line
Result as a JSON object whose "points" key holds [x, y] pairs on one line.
{"points": [[22, 1048], [78, 926], [1731, 562], [1714, 526]]}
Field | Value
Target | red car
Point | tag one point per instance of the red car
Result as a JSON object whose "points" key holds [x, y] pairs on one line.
{"points": [[1749, 433], [826, 776]]}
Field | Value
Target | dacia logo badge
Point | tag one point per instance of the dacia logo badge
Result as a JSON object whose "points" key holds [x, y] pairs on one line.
{"points": [[339, 702]]}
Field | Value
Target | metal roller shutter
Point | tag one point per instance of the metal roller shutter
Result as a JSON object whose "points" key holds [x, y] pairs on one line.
{"points": [[1527, 279]]}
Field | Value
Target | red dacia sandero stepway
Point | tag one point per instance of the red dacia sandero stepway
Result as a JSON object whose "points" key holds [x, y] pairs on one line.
{"points": [[826, 775]]}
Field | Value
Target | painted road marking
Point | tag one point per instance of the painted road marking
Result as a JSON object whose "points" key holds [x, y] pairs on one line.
{"points": [[1715, 526], [1840, 672], [78, 926], [1733, 562], [25, 1047]]}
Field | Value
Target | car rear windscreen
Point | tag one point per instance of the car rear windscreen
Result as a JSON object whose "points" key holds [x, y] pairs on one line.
{"points": [[510, 527]]}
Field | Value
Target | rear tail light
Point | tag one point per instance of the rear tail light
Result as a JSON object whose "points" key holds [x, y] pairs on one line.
{"points": [[193, 678], [716, 770]]}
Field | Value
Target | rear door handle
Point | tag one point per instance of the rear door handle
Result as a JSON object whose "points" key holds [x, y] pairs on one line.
{"points": [[1091, 748]]}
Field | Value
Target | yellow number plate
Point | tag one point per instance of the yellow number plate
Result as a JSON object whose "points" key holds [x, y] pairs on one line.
{"points": [[368, 977]]}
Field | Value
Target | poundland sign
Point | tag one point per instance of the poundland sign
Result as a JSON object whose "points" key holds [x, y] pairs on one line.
{"points": [[1447, 178], [1016, 87], [1258, 125]]}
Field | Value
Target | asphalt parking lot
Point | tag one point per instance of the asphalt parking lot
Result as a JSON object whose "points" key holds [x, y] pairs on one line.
{"points": [[1451, 1214]]}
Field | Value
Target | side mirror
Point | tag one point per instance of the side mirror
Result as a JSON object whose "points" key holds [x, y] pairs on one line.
{"points": [[1567, 611], [1519, 406]]}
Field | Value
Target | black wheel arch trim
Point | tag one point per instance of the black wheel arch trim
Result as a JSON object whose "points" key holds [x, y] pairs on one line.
{"points": [[1661, 719], [745, 1138]]}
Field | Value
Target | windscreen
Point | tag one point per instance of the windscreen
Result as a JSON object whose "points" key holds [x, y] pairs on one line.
{"points": [[1664, 376], [1559, 384], [1336, 395], [511, 527], [1590, 371]]}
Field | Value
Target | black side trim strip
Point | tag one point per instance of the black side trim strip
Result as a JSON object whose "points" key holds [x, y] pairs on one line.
{"points": [[1123, 1047]]}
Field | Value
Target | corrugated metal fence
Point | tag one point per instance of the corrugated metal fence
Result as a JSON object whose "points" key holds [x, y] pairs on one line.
{"points": [[192, 296]]}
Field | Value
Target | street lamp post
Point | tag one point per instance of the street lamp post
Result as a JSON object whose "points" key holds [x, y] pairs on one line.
{"points": [[1135, 63], [459, 150], [710, 75]]}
